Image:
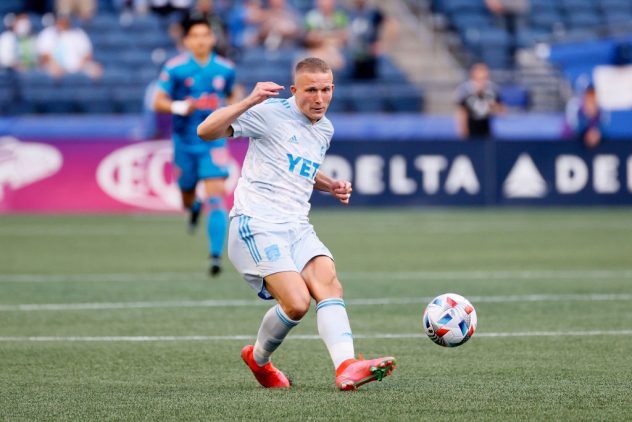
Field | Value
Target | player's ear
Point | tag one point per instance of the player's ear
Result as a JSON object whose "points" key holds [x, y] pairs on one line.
{"points": [[293, 89]]}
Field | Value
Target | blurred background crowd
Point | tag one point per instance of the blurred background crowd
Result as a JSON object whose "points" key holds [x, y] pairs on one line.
{"points": [[406, 56]]}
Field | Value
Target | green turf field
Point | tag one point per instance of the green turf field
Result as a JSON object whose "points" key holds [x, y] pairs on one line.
{"points": [[106, 317]]}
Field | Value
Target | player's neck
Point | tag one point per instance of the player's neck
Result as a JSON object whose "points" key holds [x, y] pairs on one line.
{"points": [[201, 58]]}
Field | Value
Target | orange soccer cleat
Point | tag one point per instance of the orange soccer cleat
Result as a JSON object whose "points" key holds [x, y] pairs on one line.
{"points": [[353, 373], [267, 375]]}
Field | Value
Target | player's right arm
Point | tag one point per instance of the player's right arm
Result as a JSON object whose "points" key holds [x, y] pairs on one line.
{"points": [[163, 100], [164, 104], [218, 124]]}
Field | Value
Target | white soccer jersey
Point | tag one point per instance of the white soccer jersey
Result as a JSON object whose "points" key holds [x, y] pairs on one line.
{"points": [[285, 151]]}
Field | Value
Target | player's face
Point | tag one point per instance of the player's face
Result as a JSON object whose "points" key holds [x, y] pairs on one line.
{"points": [[313, 92], [199, 40]]}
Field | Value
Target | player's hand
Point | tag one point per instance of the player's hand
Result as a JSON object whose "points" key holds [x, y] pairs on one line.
{"points": [[341, 190], [262, 91]]}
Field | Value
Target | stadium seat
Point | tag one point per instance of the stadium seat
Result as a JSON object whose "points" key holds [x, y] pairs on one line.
{"points": [[516, 96], [128, 99], [579, 20], [402, 98], [546, 20], [92, 99], [578, 5], [364, 99], [103, 23]]}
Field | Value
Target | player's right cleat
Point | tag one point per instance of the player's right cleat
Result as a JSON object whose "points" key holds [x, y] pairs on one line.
{"points": [[215, 266], [353, 373], [267, 375], [194, 218]]}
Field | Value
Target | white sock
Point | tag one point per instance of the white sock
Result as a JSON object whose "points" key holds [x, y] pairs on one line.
{"points": [[274, 327], [334, 329]]}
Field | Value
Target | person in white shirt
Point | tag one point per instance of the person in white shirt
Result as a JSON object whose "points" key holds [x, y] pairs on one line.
{"points": [[17, 45], [63, 49], [271, 242]]}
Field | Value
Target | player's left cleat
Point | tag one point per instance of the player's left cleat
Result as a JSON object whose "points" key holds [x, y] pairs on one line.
{"points": [[215, 266], [194, 218], [353, 373]]}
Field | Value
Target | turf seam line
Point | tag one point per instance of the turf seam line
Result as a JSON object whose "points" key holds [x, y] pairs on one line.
{"points": [[235, 303], [138, 339]]}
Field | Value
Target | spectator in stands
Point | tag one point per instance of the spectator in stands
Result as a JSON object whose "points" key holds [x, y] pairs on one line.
{"points": [[512, 13], [243, 24], [63, 49], [326, 34], [365, 29], [280, 25], [17, 45], [477, 102], [84, 8], [205, 9], [584, 119], [167, 7], [328, 23]]}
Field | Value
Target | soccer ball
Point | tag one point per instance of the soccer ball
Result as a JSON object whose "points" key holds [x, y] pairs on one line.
{"points": [[449, 320]]}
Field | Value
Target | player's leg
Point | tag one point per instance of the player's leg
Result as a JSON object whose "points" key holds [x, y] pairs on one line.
{"points": [[293, 298], [213, 169], [334, 328], [259, 250], [185, 170], [217, 222]]}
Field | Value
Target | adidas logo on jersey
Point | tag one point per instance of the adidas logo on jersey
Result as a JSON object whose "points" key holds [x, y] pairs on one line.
{"points": [[294, 140]]}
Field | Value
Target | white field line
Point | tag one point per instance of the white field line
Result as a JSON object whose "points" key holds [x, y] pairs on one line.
{"points": [[344, 275], [352, 302], [138, 339]]}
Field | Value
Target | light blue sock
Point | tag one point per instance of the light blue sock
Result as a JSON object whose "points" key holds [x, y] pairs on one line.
{"points": [[216, 225]]}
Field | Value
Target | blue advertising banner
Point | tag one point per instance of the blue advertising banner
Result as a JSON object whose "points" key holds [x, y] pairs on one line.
{"points": [[481, 173], [563, 173]]}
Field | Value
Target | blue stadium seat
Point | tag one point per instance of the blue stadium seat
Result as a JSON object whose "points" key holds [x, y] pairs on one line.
{"points": [[542, 5], [115, 77], [546, 20], [128, 99], [142, 23], [578, 5], [614, 5], [529, 36], [583, 20], [92, 99], [452, 7], [103, 23], [514, 96], [465, 20], [363, 98], [402, 98], [11, 6], [341, 102], [134, 58]]}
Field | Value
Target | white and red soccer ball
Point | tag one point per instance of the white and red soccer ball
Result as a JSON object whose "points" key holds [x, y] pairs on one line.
{"points": [[449, 320]]}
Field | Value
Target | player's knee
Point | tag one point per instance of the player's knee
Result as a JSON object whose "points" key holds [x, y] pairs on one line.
{"points": [[297, 306], [216, 202]]}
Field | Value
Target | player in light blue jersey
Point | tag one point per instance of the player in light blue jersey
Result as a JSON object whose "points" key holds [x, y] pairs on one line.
{"points": [[270, 241], [191, 86]]}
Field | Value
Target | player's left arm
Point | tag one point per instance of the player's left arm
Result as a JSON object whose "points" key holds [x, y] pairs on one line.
{"points": [[339, 189]]}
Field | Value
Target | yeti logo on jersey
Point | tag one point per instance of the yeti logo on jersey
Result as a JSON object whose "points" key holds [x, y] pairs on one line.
{"points": [[303, 166]]}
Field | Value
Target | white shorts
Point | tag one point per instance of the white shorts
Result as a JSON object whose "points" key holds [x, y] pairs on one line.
{"points": [[258, 249]]}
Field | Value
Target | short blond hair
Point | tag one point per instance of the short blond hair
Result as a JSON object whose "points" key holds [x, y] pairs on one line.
{"points": [[312, 64]]}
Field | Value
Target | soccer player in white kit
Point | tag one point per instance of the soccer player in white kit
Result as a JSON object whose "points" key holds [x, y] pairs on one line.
{"points": [[270, 241]]}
